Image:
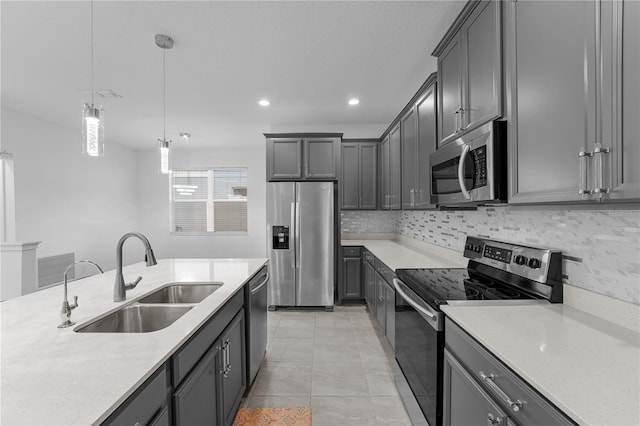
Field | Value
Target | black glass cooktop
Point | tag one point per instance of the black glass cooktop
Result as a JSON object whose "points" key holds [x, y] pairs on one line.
{"points": [[436, 286]]}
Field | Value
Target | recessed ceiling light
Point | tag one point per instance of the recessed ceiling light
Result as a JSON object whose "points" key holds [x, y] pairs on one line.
{"points": [[264, 102], [354, 101]]}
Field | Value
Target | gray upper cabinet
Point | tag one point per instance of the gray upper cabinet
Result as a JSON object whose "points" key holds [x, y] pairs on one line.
{"points": [[383, 175], [569, 136], [470, 70], [303, 156], [620, 113], [359, 175], [409, 127], [284, 158], [419, 139], [395, 162]]}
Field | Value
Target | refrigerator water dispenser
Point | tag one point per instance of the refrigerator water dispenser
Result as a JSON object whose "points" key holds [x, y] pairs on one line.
{"points": [[280, 236]]}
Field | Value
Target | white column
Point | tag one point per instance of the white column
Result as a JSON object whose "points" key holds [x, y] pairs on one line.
{"points": [[18, 269], [7, 198]]}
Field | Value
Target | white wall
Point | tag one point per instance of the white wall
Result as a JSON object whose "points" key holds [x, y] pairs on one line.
{"points": [[70, 202], [153, 203]]}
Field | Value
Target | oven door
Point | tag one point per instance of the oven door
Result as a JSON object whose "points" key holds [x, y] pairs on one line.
{"points": [[471, 168], [420, 352]]}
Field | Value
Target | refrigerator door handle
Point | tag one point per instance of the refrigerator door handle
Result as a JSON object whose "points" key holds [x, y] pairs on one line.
{"points": [[293, 240], [297, 220]]}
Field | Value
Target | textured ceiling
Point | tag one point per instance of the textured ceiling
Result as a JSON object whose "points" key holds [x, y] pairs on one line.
{"points": [[307, 57]]}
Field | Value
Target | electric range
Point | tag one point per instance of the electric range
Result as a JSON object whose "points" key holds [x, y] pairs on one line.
{"points": [[497, 273]]}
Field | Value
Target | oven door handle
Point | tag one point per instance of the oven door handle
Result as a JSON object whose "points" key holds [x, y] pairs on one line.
{"points": [[465, 151], [431, 315]]}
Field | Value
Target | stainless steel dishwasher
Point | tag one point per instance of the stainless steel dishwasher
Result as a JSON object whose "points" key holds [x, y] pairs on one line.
{"points": [[256, 322]]}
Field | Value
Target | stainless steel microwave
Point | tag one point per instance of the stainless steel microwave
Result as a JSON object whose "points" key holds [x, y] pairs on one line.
{"points": [[471, 169]]}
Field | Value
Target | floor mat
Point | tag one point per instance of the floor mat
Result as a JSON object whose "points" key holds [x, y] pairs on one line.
{"points": [[278, 416]]}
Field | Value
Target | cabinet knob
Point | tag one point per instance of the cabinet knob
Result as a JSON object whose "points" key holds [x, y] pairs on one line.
{"points": [[493, 420]]}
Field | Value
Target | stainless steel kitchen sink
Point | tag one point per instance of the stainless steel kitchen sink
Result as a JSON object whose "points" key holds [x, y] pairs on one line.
{"points": [[181, 293], [135, 319]]}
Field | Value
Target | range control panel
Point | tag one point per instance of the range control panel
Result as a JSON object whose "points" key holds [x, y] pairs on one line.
{"points": [[528, 262]]}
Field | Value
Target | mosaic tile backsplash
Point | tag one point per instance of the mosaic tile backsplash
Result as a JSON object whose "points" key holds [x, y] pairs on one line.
{"points": [[601, 247]]}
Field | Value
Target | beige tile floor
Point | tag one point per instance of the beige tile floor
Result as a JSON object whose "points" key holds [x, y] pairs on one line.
{"points": [[336, 362]]}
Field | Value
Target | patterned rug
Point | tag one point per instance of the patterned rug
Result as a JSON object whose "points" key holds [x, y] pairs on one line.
{"points": [[279, 416]]}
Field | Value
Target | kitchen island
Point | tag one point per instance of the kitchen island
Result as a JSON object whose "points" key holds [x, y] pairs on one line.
{"points": [[57, 376], [586, 366]]}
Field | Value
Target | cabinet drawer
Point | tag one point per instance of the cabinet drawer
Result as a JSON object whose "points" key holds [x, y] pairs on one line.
{"points": [[386, 272], [535, 409], [146, 403], [369, 257], [187, 357], [348, 251]]}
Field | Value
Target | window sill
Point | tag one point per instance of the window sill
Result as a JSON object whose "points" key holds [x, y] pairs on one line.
{"points": [[209, 234]]}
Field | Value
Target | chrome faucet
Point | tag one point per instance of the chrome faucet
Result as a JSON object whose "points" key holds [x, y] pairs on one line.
{"points": [[65, 312], [120, 288]]}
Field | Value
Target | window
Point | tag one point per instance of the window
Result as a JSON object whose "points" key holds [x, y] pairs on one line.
{"points": [[208, 200]]}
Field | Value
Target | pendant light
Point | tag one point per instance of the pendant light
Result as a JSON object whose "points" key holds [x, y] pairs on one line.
{"points": [[164, 42], [92, 118]]}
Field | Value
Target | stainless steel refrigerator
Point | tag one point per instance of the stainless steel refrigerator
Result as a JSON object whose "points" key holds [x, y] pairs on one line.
{"points": [[301, 243]]}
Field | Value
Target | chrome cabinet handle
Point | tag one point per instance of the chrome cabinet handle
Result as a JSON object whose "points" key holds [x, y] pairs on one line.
{"points": [[583, 185], [493, 420], [461, 128], [599, 160], [463, 157], [489, 379]]}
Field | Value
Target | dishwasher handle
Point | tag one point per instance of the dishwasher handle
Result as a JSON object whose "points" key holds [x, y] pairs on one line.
{"points": [[254, 290]]}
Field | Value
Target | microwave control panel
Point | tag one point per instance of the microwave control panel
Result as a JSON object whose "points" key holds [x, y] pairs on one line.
{"points": [[479, 156]]}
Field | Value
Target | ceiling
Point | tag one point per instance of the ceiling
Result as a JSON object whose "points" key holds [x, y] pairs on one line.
{"points": [[307, 57]]}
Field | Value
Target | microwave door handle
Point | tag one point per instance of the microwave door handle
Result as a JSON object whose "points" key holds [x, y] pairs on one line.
{"points": [[463, 157]]}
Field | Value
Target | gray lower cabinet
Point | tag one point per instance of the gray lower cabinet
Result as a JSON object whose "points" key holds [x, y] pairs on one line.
{"points": [[369, 282], [359, 176], [196, 400], [470, 70], [212, 391], [381, 295], [351, 287], [390, 314], [384, 300], [573, 125], [480, 389], [162, 419], [303, 156], [147, 405]]}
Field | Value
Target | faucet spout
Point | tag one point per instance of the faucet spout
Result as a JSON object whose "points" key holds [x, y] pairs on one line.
{"points": [[120, 287], [65, 312]]}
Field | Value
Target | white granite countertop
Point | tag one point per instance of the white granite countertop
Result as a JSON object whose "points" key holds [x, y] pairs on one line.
{"points": [[586, 366], [53, 376], [401, 255]]}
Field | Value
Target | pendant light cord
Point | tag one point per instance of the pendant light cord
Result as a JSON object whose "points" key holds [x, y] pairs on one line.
{"points": [[92, 90], [164, 94]]}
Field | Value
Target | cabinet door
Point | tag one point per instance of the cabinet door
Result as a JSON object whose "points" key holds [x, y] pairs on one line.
{"points": [[384, 173], [284, 159], [427, 141], [352, 278], [449, 91], [465, 403], [550, 118], [409, 150], [369, 281], [349, 181], [395, 165], [369, 175], [390, 315], [624, 176], [196, 400], [321, 158], [233, 375], [381, 312], [482, 77]]}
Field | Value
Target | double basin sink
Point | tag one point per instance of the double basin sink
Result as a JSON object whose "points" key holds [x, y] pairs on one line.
{"points": [[152, 312]]}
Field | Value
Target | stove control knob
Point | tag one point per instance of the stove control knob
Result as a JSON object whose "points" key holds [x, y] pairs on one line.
{"points": [[520, 260], [534, 263], [477, 248]]}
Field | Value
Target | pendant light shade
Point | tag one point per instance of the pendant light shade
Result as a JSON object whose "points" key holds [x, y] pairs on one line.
{"points": [[92, 131], [164, 42], [92, 118]]}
